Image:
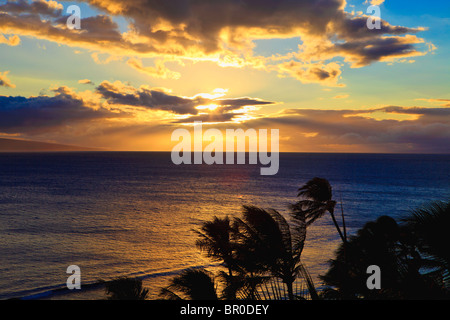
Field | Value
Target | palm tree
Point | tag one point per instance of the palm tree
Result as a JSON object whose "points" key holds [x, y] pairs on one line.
{"points": [[191, 284], [242, 285], [215, 240], [429, 226], [267, 244], [316, 201], [387, 245], [126, 289], [374, 244], [256, 249]]}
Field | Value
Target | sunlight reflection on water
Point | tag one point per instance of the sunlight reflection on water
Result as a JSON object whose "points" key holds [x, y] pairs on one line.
{"points": [[116, 214]]}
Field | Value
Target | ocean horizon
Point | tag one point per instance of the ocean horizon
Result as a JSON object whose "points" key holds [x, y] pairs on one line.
{"points": [[132, 214]]}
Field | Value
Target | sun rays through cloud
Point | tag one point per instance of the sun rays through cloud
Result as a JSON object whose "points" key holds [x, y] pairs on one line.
{"points": [[142, 68]]}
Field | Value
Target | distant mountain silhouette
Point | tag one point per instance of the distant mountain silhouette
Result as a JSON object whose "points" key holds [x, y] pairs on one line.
{"points": [[13, 145]]}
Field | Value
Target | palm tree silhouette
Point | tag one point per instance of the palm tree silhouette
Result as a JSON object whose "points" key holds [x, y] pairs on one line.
{"points": [[126, 289], [392, 248], [266, 243], [256, 249], [191, 284], [429, 225], [215, 241], [316, 199], [375, 244]]}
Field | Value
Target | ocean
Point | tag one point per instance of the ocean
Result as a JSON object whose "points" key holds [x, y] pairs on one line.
{"points": [[133, 213]]}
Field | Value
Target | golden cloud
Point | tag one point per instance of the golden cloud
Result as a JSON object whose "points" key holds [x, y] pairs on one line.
{"points": [[158, 71], [220, 31], [4, 81], [11, 41]]}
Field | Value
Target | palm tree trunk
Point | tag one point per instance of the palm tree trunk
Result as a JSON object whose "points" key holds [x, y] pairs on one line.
{"points": [[337, 226], [230, 273], [343, 221], [290, 291]]}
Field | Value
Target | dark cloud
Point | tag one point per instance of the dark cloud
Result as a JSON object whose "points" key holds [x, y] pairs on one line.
{"points": [[358, 131], [235, 104], [44, 113], [349, 27], [99, 32], [45, 8], [312, 72], [444, 112], [200, 24], [117, 93], [96, 28], [67, 117], [197, 28], [147, 98], [364, 52], [323, 74], [210, 118]]}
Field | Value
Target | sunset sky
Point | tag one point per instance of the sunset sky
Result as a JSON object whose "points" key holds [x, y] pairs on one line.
{"points": [[139, 69]]}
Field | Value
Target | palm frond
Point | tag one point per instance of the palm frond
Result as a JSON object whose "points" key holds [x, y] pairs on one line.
{"points": [[430, 224], [193, 284], [167, 294], [309, 282], [284, 230], [214, 238], [318, 189], [126, 289]]}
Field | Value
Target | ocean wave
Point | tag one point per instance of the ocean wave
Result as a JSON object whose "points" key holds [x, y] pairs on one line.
{"points": [[47, 292]]}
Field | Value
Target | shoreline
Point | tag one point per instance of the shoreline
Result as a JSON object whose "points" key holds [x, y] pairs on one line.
{"points": [[91, 289]]}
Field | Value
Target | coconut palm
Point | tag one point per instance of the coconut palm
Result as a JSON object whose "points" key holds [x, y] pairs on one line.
{"points": [[242, 285], [191, 284], [266, 244], [215, 241], [429, 226], [126, 289], [316, 199], [374, 244], [257, 248], [389, 246]]}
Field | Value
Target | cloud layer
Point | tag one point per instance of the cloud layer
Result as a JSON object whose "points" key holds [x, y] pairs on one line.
{"points": [[117, 115], [43, 114], [221, 31], [400, 129], [226, 33], [118, 93]]}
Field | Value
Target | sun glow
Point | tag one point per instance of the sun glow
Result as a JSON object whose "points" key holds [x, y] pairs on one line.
{"points": [[210, 107]]}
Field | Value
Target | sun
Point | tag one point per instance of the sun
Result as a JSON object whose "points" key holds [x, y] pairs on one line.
{"points": [[210, 107]]}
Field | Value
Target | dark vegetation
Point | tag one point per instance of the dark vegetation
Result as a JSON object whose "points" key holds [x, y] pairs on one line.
{"points": [[260, 255]]}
